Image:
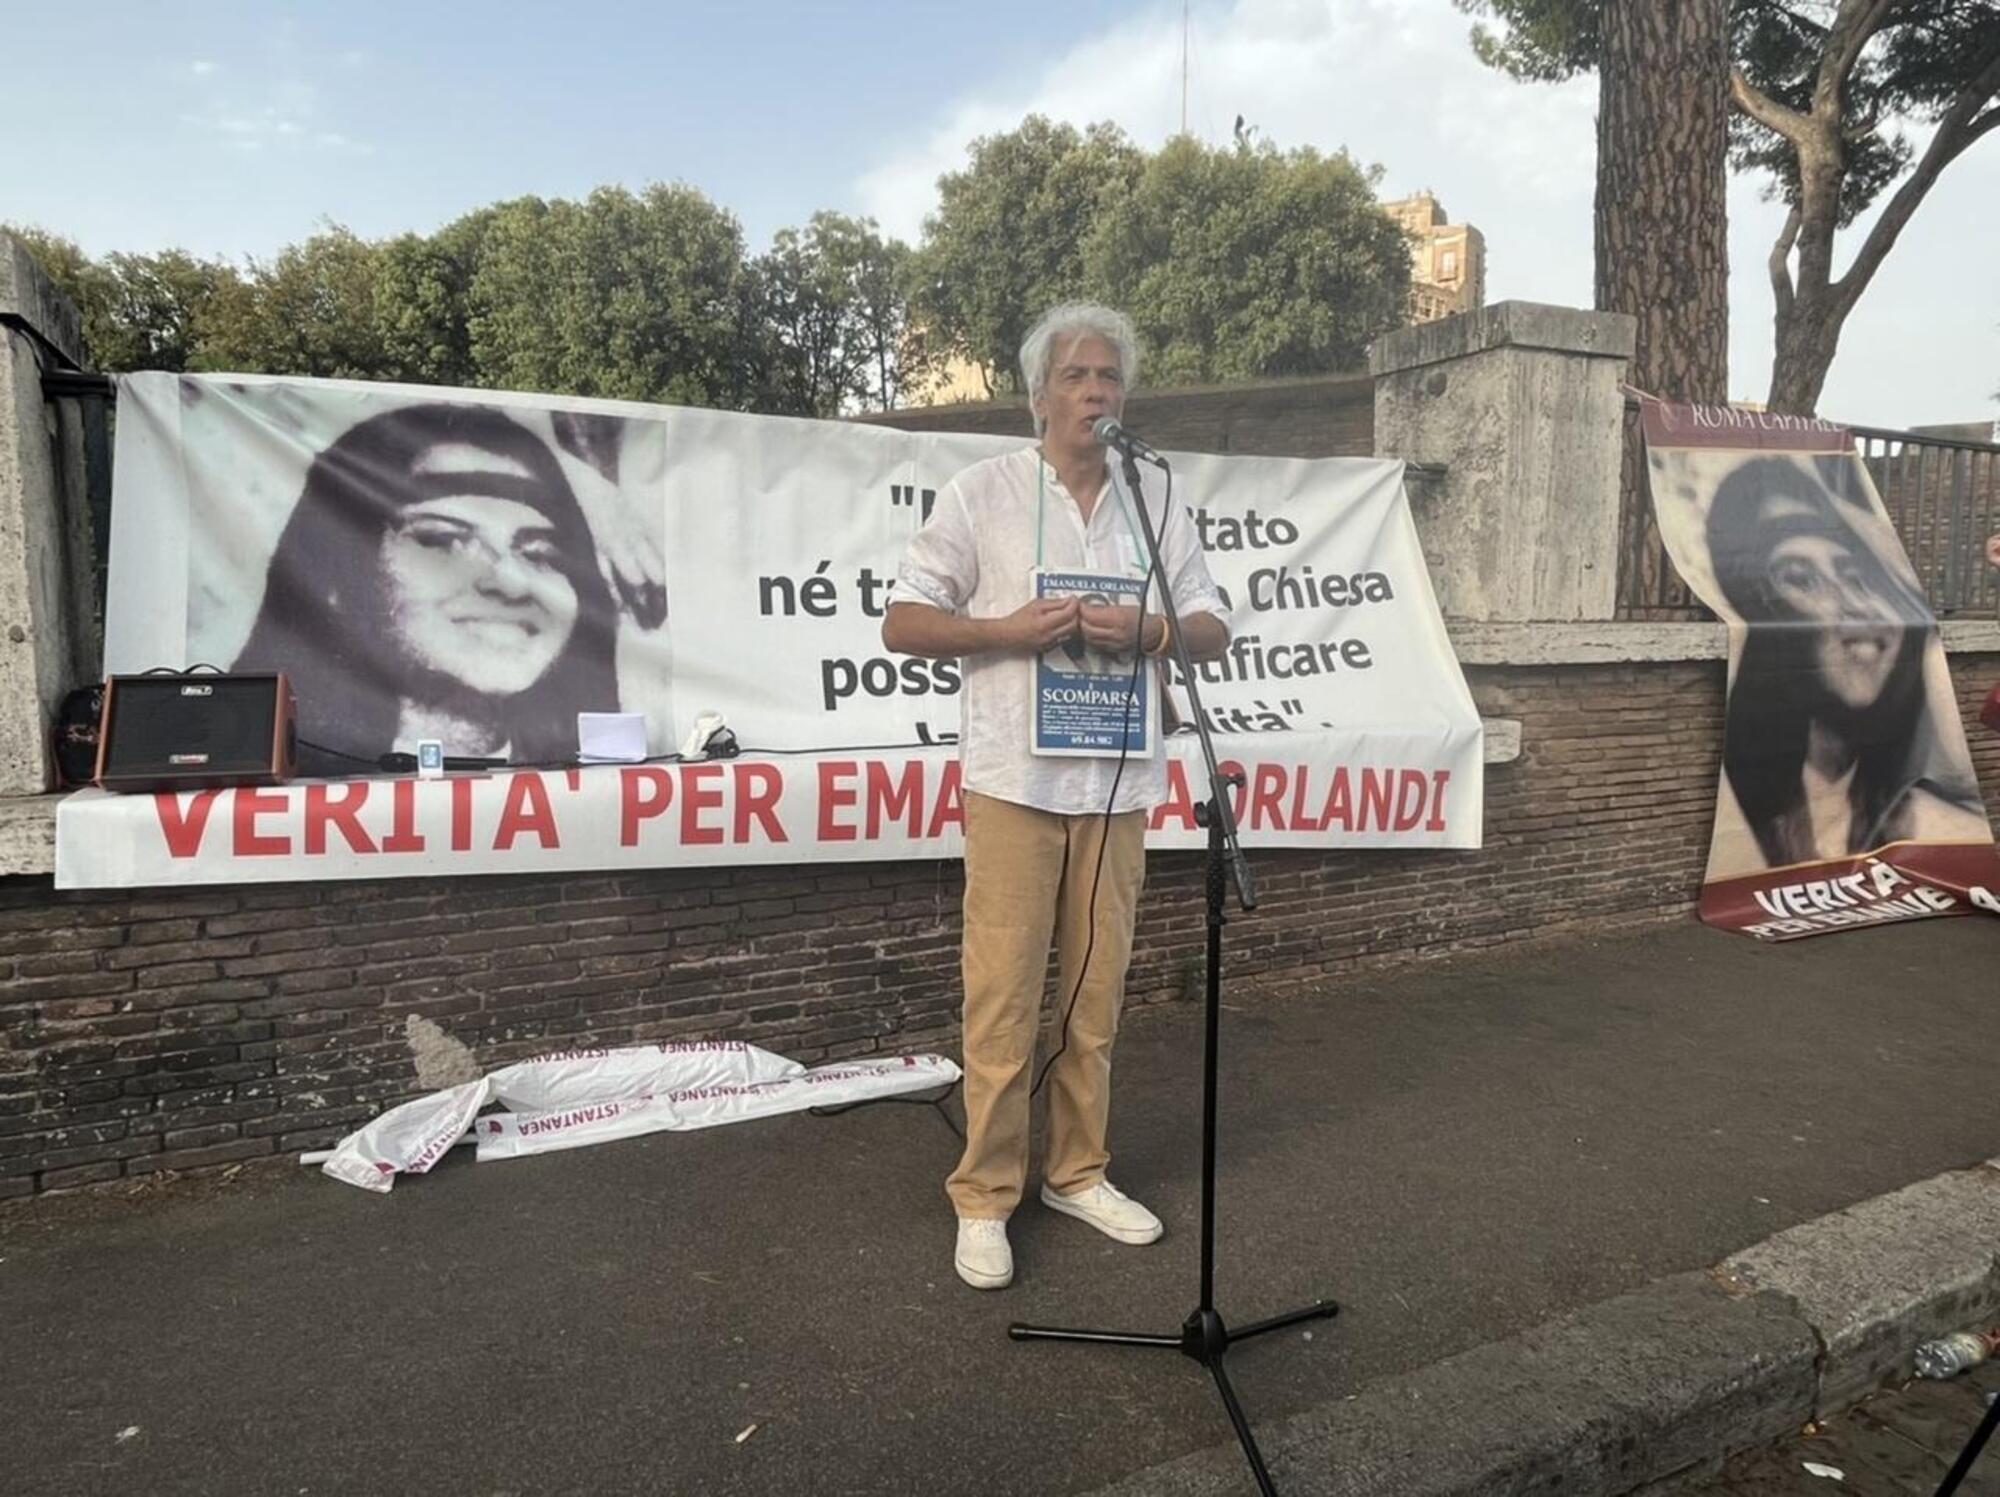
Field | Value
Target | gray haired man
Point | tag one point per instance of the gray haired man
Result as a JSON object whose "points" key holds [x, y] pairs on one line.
{"points": [[1049, 851]]}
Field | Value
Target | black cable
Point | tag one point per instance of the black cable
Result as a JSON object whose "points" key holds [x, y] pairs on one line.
{"points": [[842, 748], [321, 748], [1124, 753], [400, 763], [673, 758]]}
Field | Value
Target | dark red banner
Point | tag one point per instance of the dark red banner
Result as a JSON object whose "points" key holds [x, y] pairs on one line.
{"points": [[1905, 881]]}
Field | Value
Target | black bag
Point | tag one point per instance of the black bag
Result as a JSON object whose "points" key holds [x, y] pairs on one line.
{"points": [[75, 736]]}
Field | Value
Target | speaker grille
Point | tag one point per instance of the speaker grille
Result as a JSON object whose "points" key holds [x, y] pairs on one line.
{"points": [[191, 728]]}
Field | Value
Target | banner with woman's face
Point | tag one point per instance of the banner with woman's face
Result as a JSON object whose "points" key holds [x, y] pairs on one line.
{"points": [[422, 566], [1848, 795], [483, 568]]}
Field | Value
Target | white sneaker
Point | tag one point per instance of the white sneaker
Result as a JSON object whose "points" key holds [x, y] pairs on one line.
{"points": [[983, 1260], [1108, 1209]]}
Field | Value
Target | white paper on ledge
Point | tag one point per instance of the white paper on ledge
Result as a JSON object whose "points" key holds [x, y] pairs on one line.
{"points": [[611, 737]]}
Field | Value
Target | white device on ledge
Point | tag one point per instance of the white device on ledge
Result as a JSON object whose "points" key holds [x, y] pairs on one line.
{"points": [[706, 726]]}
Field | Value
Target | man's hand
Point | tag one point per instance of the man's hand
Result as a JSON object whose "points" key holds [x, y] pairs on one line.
{"points": [[1036, 626], [1993, 549], [1109, 627]]}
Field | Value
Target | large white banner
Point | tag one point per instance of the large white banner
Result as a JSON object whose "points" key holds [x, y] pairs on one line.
{"points": [[480, 568]]}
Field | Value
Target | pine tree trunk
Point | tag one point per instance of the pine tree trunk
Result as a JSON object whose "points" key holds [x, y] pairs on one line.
{"points": [[1662, 222], [1662, 238]]}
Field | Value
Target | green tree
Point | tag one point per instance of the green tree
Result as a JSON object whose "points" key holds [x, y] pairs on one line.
{"points": [[802, 298], [165, 303], [139, 311], [1826, 97], [628, 296], [831, 308], [1245, 261], [423, 287], [309, 311], [1007, 239], [892, 360]]}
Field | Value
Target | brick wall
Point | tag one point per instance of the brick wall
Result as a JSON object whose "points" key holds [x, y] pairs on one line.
{"points": [[154, 1030]]}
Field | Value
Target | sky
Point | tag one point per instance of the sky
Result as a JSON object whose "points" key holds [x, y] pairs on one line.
{"points": [[231, 129]]}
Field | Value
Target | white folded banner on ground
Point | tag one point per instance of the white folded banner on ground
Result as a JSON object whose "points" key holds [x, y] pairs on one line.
{"points": [[508, 1135], [577, 1097], [502, 563]]}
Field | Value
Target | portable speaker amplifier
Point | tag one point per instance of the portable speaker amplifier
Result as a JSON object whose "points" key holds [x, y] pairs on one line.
{"points": [[189, 732]]}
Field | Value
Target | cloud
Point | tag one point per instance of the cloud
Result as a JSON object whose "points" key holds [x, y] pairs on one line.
{"points": [[285, 118], [202, 68]]}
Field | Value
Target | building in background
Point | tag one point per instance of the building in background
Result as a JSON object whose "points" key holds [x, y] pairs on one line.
{"points": [[1447, 260]]}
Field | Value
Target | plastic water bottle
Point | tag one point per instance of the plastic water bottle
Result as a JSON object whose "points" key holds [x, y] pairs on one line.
{"points": [[1948, 1356]]}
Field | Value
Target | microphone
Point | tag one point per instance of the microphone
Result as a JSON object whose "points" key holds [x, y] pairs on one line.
{"points": [[1108, 431]]}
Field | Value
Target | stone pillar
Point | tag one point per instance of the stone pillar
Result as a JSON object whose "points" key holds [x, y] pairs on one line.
{"points": [[48, 639], [1521, 405]]}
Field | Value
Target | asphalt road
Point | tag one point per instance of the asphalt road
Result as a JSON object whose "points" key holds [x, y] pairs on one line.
{"points": [[1456, 1151]]}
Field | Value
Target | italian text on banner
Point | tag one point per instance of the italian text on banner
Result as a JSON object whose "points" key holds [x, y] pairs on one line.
{"points": [[482, 567]]}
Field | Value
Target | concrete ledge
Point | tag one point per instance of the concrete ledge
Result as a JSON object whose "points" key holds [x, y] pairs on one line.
{"points": [[1876, 1279], [28, 295], [1655, 1384], [1585, 644], [1507, 324], [28, 834], [1618, 643]]}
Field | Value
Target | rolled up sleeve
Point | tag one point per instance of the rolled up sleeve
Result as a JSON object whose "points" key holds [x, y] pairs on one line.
{"points": [[1194, 591], [940, 566]]}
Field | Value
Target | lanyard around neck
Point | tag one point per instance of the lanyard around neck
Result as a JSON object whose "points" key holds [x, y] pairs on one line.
{"points": [[1041, 501]]}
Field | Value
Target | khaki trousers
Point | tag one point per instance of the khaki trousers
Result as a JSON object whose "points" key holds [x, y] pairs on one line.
{"points": [[1028, 876]]}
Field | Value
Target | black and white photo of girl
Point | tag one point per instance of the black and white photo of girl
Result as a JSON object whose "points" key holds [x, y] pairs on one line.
{"points": [[459, 571], [1842, 734]]}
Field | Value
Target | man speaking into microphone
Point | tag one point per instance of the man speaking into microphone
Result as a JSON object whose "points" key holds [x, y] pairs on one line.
{"points": [[1054, 847]]}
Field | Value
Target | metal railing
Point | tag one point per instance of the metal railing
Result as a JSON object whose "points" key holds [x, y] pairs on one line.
{"points": [[1943, 494]]}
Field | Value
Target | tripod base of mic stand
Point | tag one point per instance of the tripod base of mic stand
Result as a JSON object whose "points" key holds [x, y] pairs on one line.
{"points": [[1206, 1339]]}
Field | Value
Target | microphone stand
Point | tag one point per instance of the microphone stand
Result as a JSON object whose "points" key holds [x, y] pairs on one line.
{"points": [[1203, 1335], [1970, 1453]]}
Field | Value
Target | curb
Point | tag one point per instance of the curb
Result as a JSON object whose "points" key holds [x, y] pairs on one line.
{"points": [[1652, 1385], [1874, 1280]]}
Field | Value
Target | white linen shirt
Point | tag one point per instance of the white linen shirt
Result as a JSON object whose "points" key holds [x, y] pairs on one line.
{"points": [[974, 557]]}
